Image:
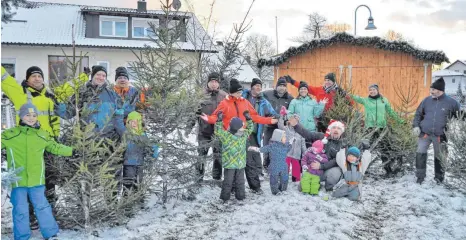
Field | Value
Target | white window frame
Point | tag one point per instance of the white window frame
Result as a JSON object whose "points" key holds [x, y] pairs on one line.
{"points": [[108, 66], [113, 19], [136, 22], [10, 61]]}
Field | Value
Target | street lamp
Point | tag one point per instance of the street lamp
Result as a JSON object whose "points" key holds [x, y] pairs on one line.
{"points": [[370, 20]]}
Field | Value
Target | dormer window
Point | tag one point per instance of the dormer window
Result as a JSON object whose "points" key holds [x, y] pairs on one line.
{"points": [[111, 26], [142, 29]]}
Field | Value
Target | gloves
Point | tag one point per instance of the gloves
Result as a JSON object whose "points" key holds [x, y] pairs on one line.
{"points": [[119, 111], [155, 148], [365, 145], [416, 131], [219, 116], [289, 79], [283, 111], [247, 115]]}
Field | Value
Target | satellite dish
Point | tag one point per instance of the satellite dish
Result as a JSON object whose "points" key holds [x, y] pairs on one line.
{"points": [[176, 4]]}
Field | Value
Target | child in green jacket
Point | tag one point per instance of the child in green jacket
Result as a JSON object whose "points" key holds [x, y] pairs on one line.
{"points": [[233, 144], [25, 146]]}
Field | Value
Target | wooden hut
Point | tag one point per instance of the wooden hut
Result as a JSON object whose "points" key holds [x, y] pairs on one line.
{"points": [[397, 67]]}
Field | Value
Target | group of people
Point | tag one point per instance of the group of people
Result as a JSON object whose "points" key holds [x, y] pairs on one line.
{"points": [[292, 135], [115, 113]]}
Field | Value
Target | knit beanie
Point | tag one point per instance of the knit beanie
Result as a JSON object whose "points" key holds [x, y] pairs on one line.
{"points": [[256, 81], [374, 86], [27, 108], [277, 135], [303, 84], [32, 70], [281, 82], [213, 76], [97, 68], [439, 84], [332, 123], [354, 151], [330, 76], [318, 146], [121, 72], [235, 125], [235, 86], [134, 116]]}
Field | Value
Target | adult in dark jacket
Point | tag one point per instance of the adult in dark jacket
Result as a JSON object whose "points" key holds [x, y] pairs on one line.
{"points": [[334, 142], [429, 125], [213, 97], [277, 97], [129, 95]]}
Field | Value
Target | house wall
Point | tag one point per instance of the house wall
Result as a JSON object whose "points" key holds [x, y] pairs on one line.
{"points": [[458, 67], [27, 56], [395, 73], [452, 82]]}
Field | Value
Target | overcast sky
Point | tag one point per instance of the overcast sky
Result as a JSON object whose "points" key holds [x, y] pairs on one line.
{"points": [[431, 24]]}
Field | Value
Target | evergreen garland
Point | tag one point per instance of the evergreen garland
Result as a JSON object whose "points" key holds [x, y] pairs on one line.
{"points": [[376, 42]]}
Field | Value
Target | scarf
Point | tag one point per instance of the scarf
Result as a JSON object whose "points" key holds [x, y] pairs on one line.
{"points": [[331, 88], [122, 92]]}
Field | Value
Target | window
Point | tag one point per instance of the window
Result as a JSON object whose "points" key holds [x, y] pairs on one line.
{"points": [[142, 29], [59, 70], [464, 71], [113, 26], [10, 65], [453, 80], [175, 28], [106, 65]]}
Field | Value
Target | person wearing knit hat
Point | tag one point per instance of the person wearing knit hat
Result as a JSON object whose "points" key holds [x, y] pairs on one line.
{"points": [[430, 126], [35, 77], [129, 94], [306, 107], [213, 76], [98, 75], [334, 130], [26, 145], [235, 87], [310, 183], [354, 166], [256, 81], [377, 111]]}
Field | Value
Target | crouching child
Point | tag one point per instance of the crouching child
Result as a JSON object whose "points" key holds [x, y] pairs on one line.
{"points": [[233, 144], [278, 169], [25, 146], [136, 151], [310, 183], [354, 166]]}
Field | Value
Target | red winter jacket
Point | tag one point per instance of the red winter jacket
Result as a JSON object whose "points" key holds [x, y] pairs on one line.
{"points": [[319, 93], [234, 107]]}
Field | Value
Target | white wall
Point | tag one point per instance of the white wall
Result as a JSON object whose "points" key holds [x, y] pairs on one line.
{"points": [[452, 86], [27, 56], [458, 67]]}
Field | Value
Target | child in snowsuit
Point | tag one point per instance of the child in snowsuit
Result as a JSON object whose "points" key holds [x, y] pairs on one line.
{"points": [[25, 146], [311, 177], [354, 166], [233, 144], [136, 150], [298, 147], [277, 149]]}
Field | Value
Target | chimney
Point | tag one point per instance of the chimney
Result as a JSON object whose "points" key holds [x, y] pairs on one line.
{"points": [[219, 43], [142, 6]]}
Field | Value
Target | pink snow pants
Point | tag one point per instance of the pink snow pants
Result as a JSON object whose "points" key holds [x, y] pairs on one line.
{"points": [[295, 167]]}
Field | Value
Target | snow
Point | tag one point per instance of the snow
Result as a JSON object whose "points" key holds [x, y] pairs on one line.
{"points": [[396, 208], [444, 73]]}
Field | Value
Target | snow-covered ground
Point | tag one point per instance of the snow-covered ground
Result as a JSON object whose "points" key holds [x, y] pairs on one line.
{"points": [[390, 209]]}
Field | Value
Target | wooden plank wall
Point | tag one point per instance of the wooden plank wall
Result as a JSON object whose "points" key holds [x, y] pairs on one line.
{"points": [[389, 70]]}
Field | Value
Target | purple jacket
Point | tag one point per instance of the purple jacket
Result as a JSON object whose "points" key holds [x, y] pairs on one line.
{"points": [[310, 157]]}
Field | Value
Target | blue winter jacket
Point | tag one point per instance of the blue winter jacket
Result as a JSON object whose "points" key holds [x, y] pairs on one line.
{"points": [[98, 105], [130, 100], [433, 113], [263, 108], [278, 152], [137, 149]]}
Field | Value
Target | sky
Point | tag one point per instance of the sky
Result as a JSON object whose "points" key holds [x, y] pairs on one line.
{"points": [[431, 24]]}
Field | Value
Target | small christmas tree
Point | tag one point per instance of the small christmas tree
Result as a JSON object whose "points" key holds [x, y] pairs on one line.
{"points": [[456, 162]]}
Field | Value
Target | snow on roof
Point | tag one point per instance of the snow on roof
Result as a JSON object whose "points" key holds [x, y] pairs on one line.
{"points": [[461, 61], [245, 72], [444, 73], [39, 23]]}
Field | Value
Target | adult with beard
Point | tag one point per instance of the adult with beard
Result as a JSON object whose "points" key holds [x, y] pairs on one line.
{"points": [[429, 124], [333, 143], [278, 98], [328, 91], [377, 108], [205, 132], [233, 106], [129, 95], [265, 109]]}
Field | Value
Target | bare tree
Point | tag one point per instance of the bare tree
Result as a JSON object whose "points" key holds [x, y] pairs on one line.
{"points": [[393, 35], [316, 24], [336, 27], [259, 46], [317, 27]]}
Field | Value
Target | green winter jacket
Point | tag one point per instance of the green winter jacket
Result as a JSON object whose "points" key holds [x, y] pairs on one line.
{"points": [[376, 111], [307, 109], [25, 148], [233, 147]]}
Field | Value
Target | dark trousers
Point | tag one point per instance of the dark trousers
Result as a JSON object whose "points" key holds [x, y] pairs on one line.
{"points": [[132, 177], [278, 181], [440, 156], [268, 132], [390, 160], [205, 143], [253, 165], [233, 178]]}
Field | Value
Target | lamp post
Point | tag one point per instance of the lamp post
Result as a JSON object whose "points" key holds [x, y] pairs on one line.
{"points": [[370, 20]]}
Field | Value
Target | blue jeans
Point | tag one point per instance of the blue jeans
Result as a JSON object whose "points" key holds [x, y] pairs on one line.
{"points": [[21, 228]]}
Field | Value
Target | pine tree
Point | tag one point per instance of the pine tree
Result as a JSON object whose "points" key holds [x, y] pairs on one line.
{"points": [[7, 11], [456, 162], [459, 95]]}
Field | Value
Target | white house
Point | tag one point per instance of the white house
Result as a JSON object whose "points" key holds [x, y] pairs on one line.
{"points": [[454, 75], [458, 66]]}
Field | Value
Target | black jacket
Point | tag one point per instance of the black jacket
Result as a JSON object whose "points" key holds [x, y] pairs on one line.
{"points": [[208, 106], [277, 102]]}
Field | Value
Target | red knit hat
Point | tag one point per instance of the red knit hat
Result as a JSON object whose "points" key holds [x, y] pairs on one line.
{"points": [[333, 123], [318, 146]]}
